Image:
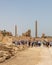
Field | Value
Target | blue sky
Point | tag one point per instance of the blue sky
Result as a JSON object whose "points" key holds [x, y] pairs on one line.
{"points": [[24, 13]]}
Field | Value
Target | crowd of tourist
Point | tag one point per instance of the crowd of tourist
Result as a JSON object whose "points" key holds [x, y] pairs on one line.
{"points": [[33, 43]]}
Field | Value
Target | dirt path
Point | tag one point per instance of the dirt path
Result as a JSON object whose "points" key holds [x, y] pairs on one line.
{"points": [[46, 56], [27, 57], [32, 56]]}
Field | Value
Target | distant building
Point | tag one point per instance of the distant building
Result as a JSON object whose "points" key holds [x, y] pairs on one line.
{"points": [[43, 35]]}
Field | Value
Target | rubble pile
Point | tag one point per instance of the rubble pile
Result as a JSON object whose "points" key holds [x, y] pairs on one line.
{"points": [[8, 51]]}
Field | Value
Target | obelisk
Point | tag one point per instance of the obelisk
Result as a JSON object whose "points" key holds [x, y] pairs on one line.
{"points": [[36, 28], [15, 30]]}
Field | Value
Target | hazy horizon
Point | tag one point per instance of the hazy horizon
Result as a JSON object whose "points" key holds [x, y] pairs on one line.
{"points": [[24, 13]]}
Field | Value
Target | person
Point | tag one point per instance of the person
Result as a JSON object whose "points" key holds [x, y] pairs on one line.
{"points": [[39, 43], [32, 44], [47, 44]]}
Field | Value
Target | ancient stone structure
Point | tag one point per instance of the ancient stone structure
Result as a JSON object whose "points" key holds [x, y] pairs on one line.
{"points": [[15, 30], [36, 28], [28, 33], [5, 33]]}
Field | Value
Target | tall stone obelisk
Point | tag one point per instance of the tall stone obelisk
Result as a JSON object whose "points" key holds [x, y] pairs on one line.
{"points": [[36, 28], [15, 30]]}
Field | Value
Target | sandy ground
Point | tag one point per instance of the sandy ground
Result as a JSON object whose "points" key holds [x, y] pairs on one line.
{"points": [[46, 56], [32, 56]]}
